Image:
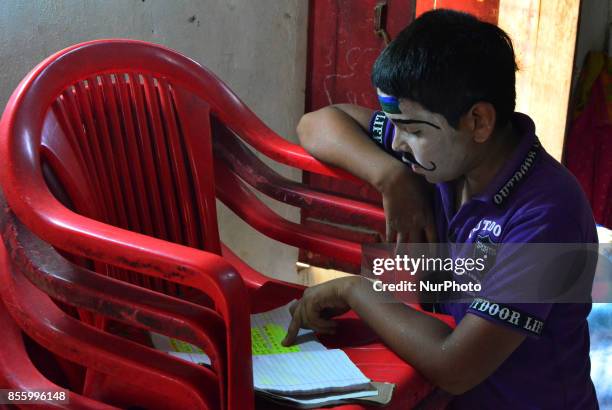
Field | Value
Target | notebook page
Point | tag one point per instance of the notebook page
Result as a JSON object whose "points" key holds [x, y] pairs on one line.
{"points": [[269, 328], [307, 373]]}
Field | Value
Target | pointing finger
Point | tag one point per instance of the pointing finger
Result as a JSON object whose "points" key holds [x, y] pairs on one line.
{"points": [[294, 328]]}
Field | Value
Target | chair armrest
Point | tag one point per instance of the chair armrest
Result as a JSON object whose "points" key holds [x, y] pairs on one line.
{"points": [[240, 119], [241, 161], [233, 193], [265, 293]]}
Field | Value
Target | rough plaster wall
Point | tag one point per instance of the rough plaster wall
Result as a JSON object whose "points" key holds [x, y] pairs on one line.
{"points": [[257, 47]]}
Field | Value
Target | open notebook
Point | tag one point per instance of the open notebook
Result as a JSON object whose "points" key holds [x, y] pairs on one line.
{"points": [[306, 374]]}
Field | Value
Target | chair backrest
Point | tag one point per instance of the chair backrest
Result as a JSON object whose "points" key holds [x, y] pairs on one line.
{"points": [[133, 149], [142, 149]]}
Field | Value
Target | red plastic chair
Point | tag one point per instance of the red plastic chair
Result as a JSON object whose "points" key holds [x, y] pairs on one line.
{"points": [[108, 149]]}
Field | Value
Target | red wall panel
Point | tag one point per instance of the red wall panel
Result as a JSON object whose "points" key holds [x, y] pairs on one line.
{"points": [[343, 48]]}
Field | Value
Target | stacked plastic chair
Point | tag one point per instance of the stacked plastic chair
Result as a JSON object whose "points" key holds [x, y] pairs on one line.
{"points": [[114, 153]]}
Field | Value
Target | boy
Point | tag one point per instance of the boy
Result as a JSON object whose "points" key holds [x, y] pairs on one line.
{"points": [[446, 87]]}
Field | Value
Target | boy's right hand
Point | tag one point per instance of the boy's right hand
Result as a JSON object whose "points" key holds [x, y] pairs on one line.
{"points": [[408, 206]]}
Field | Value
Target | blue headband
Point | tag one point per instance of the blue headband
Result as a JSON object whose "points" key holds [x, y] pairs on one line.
{"points": [[389, 104]]}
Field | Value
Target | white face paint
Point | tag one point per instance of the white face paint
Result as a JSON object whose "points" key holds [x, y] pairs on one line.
{"points": [[433, 148]]}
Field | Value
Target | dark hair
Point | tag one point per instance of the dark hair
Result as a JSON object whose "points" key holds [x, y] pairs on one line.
{"points": [[447, 61]]}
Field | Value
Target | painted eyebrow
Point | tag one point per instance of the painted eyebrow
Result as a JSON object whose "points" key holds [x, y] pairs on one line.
{"points": [[415, 122]]}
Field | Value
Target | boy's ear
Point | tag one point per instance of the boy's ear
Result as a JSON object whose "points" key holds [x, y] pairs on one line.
{"points": [[480, 121]]}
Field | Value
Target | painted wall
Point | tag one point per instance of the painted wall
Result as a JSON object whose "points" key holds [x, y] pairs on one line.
{"points": [[257, 47]]}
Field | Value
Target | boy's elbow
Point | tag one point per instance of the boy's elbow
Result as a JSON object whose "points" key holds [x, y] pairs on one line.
{"points": [[303, 130], [306, 132]]}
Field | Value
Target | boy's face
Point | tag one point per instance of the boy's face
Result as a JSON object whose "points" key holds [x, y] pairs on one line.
{"points": [[435, 150]]}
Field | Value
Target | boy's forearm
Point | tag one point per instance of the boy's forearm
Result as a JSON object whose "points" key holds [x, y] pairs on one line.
{"points": [[334, 137], [416, 337]]}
